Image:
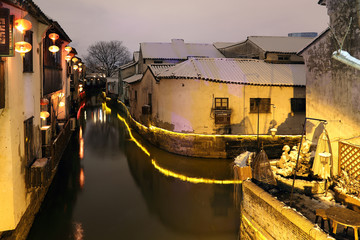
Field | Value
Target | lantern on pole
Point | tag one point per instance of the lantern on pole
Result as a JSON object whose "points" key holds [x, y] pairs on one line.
{"points": [[67, 58]]}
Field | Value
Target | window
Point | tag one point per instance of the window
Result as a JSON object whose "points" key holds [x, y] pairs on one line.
{"points": [[261, 105], [29, 141], [6, 33], [221, 103], [158, 61], [222, 111], [28, 58], [298, 104], [283, 57]]}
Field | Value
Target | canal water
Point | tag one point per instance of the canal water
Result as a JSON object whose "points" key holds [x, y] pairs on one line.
{"points": [[107, 187]]}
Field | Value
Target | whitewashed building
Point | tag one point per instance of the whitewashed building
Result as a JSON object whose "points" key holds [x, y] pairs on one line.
{"points": [[218, 96]]}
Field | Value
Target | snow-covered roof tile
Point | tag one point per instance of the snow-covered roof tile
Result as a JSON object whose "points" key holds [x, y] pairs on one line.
{"points": [[240, 71]]}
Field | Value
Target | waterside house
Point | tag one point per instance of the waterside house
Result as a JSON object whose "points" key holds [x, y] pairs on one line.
{"points": [[35, 100], [221, 96]]}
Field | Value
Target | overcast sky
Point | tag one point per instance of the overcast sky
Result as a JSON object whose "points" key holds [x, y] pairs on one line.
{"points": [[195, 21]]}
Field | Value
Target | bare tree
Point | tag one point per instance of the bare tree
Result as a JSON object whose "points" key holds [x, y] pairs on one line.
{"points": [[106, 57]]}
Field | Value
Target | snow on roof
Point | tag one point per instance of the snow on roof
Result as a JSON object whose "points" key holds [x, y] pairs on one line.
{"points": [[177, 49], [220, 45], [280, 43], [158, 68], [133, 78], [239, 71]]}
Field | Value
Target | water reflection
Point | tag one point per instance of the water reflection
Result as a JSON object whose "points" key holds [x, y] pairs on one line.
{"points": [[126, 196]]}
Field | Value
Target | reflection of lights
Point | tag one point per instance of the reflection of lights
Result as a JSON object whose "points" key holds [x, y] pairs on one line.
{"points": [[173, 174], [107, 109], [78, 231], [85, 115], [81, 150], [79, 111], [192, 179], [82, 178], [61, 104], [100, 115], [131, 136]]}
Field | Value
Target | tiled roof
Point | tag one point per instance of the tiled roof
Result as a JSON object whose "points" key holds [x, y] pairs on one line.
{"points": [[133, 78], [177, 49], [280, 44], [239, 71]]}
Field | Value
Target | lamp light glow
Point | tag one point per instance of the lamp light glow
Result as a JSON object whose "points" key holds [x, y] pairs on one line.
{"points": [[54, 49], [67, 58], [74, 59], [68, 49], [23, 25], [54, 37], [44, 115], [75, 67], [23, 47]]}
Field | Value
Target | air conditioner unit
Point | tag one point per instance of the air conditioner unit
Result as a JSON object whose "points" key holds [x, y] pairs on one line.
{"points": [[72, 124], [46, 135], [146, 109]]}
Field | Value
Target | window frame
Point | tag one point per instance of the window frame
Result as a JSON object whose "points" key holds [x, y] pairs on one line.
{"points": [[265, 105], [222, 106]]}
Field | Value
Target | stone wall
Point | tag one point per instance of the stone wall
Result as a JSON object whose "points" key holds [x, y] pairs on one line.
{"points": [[209, 146], [264, 217]]}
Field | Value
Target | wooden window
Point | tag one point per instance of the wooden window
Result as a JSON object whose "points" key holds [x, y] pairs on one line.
{"points": [[298, 104], [2, 84], [221, 103], [28, 58], [261, 105], [29, 141]]}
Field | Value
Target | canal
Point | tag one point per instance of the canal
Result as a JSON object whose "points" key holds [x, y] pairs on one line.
{"points": [[107, 187]]}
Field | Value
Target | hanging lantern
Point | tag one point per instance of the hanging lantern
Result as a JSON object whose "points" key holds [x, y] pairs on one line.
{"points": [[54, 49], [44, 101], [44, 115], [80, 64], [23, 47], [54, 37], [74, 59], [67, 58], [75, 67], [23, 25], [68, 49], [80, 69]]}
